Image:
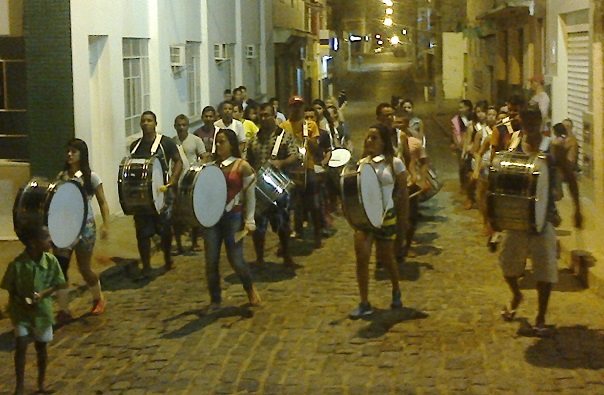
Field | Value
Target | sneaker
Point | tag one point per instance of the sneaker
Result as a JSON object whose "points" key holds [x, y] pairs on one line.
{"points": [[98, 307], [63, 317], [396, 300], [362, 310]]}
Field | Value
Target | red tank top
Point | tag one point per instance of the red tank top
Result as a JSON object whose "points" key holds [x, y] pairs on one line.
{"points": [[234, 182]]}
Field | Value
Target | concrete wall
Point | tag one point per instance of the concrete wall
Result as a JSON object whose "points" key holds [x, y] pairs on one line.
{"points": [[454, 49], [11, 17]]}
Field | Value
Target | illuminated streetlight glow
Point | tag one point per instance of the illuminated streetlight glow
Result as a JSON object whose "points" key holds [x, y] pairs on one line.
{"points": [[394, 40], [388, 3], [388, 21], [389, 11]]}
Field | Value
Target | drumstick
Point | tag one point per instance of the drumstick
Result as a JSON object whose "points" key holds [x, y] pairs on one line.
{"points": [[415, 193]]}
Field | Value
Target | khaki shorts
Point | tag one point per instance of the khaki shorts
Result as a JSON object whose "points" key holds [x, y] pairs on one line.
{"points": [[518, 246], [42, 335]]}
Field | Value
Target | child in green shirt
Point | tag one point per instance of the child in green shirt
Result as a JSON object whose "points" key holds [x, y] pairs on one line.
{"points": [[30, 279]]}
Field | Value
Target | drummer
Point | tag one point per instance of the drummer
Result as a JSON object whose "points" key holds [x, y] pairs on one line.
{"points": [[260, 152], [328, 186], [147, 225], [391, 171], [77, 167], [238, 214], [191, 149], [518, 246]]}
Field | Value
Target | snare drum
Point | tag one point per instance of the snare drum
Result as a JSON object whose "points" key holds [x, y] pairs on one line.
{"points": [[339, 157], [62, 206], [272, 185], [202, 194], [517, 196], [362, 197], [138, 184]]}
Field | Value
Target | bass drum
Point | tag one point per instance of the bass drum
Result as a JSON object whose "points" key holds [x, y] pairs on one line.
{"points": [[517, 196], [138, 184], [202, 195], [435, 186], [62, 206], [362, 197], [271, 186], [339, 157]]}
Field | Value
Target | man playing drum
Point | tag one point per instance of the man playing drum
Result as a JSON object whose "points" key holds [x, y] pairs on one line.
{"points": [[540, 247], [261, 152], [148, 225], [191, 149]]}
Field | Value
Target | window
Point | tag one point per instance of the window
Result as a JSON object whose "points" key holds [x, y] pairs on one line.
{"points": [[137, 97], [193, 78], [12, 85]]}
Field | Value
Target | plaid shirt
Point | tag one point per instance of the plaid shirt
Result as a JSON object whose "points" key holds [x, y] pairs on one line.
{"points": [[261, 146]]}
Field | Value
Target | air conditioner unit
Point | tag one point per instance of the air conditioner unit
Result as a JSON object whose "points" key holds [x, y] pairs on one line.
{"points": [[177, 56], [220, 52], [250, 52]]}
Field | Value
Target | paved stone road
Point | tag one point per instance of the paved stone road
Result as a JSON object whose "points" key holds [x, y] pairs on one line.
{"points": [[449, 337]]}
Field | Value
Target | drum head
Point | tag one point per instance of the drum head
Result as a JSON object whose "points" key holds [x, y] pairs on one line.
{"points": [[339, 157], [541, 193], [371, 195], [67, 214], [157, 181], [209, 196]]}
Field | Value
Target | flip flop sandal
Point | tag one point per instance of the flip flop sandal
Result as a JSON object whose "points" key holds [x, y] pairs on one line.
{"points": [[541, 330], [508, 314]]}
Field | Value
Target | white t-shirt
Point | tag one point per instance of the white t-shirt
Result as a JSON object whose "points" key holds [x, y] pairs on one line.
{"points": [[236, 126], [542, 100], [387, 179], [193, 147]]}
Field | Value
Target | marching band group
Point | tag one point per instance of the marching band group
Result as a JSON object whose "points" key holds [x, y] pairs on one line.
{"points": [[250, 168]]}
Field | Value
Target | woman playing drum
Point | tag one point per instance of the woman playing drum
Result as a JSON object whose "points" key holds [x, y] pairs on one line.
{"points": [[77, 167], [238, 214], [379, 153]]}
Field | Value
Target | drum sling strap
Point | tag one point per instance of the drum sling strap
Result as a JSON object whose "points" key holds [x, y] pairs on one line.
{"points": [[154, 146], [277, 144], [236, 199]]}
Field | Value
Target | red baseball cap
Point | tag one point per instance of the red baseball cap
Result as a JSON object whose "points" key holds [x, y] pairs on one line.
{"points": [[295, 100]]}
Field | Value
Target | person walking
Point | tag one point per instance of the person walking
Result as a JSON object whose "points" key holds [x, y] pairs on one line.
{"points": [[77, 167]]}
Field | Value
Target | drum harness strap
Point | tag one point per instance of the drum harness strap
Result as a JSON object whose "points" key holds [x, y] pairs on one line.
{"points": [[237, 198], [277, 144], [156, 144]]}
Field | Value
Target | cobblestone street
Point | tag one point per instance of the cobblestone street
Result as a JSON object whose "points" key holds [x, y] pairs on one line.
{"points": [[448, 338]]}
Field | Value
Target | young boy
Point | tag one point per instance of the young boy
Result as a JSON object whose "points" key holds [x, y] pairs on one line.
{"points": [[30, 279]]}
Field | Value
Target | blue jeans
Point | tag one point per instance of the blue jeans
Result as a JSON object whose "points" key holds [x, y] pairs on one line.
{"points": [[225, 230]]}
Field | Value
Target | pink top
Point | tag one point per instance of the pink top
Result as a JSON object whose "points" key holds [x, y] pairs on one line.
{"points": [[234, 182]]}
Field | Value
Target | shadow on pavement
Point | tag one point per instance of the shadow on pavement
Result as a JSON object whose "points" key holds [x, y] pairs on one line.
{"points": [[204, 320], [567, 282], [569, 347], [381, 321], [7, 341], [270, 272], [407, 271], [125, 274]]}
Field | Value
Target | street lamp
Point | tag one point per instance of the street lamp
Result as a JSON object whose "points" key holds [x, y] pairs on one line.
{"points": [[394, 40], [388, 21], [389, 11], [387, 2]]}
